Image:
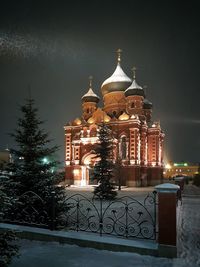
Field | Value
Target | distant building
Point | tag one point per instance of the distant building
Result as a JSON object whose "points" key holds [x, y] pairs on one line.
{"points": [[137, 144], [5, 158], [181, 169]]}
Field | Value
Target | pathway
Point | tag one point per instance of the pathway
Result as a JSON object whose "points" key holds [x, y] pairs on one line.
{"points": [[189, 226]]}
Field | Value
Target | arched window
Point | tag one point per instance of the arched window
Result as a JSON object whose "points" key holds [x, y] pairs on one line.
{"points": [[132, 105], [123, 147], [93, 131]]}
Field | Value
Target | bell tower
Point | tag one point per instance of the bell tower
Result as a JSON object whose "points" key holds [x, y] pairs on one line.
{"points": [[113, 90], [89, 101], [134, 97]]}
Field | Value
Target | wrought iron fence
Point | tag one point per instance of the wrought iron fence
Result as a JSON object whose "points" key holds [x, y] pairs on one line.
{"points": [[28, 209], [125, 217]]}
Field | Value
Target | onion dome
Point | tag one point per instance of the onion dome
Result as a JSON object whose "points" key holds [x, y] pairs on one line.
{"points": [[124, 117], [77, 121], [156, 124], [134, 117], [106, 118], [90, 96], [147, 104], [98, 116], [118, 81], [134, 88], [91, 120]]}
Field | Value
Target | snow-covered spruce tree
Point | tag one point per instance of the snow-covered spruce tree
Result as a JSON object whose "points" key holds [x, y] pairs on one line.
{"points": [[8, 247], [31, 171], [103, 170]]}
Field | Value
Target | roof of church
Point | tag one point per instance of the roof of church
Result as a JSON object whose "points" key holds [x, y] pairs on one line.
{"points": [[134, 88], [118, 81], [90, 96], [90, 93], [147, 104]]}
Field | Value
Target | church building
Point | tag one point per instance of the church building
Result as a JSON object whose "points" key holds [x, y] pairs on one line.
{"points": [[137, 140]]}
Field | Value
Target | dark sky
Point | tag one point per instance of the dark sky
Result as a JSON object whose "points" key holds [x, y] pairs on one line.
{"points": [[54, 46]]}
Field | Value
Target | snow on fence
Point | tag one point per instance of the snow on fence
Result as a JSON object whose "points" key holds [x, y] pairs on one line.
{"points": [[124, 217]]}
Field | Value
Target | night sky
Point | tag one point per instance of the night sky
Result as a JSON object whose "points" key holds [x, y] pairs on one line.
{"points": [[53, 46]]}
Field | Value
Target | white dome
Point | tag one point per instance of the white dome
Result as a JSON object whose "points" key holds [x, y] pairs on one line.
{"points": [[118, 81]]}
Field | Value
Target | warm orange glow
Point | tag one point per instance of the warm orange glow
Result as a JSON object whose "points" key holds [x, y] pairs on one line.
{"points": [[107, 118], [90, 120], [124, 117], [168, 166], [76, 172], [77, 121]]}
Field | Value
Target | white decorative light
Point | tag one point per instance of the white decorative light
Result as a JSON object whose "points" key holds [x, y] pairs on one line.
{"points": [[89, 140], [76, 172], [67, 162], [87, 162], [83, 178], [45, 160], [168, 166]]}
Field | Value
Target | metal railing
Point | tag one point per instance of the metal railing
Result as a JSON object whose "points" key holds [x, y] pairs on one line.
{"points": [[124, 217]]}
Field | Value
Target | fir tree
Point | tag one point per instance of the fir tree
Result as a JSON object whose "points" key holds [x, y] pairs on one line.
{"points": [[30, 170], [103, 170]]}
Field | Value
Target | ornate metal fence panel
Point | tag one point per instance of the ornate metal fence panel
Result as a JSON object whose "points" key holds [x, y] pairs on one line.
{"points": [[28, 209], [125, 217]]}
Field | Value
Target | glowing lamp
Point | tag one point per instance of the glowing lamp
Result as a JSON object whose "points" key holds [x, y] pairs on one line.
{"points": [[76, 172], [45, 160], [168, 166], [87, 162], [90, 120]]}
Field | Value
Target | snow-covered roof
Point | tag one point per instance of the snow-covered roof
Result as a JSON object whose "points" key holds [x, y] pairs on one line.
{"points": [[118, 81], [90, 93], [134, 89]]}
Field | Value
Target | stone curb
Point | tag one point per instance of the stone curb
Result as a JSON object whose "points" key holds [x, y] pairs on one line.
{"points": [[145, 247]]}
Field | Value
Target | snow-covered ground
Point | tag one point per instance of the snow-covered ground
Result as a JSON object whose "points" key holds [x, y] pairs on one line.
{"points": [[189, 230], [52, 254]]}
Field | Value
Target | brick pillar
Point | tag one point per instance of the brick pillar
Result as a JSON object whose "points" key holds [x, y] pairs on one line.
{"points": [[167, 194]]}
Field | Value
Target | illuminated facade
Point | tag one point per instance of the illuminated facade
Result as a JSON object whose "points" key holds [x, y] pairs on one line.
{"points": [[137, 143]]}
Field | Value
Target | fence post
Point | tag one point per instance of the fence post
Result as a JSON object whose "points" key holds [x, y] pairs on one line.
{"points": [[167, 197], [101, 216], [53, 212]]}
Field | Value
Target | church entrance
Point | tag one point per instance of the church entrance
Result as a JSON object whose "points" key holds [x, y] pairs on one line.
{"points": [[88, 161]]}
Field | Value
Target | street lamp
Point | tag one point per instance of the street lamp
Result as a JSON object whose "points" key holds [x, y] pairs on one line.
{"points": [[45, 160]]}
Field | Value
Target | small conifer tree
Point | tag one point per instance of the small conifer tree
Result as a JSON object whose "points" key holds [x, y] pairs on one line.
{"points": [[103, 170], [31, 169]]}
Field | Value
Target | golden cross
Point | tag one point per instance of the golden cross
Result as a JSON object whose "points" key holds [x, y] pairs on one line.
{"points": [[119, 51], [134, 72], [90, 81], [145, 89]]}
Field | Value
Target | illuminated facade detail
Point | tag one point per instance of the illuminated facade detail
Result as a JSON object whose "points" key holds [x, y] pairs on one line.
{"points": [[137, 141]]}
